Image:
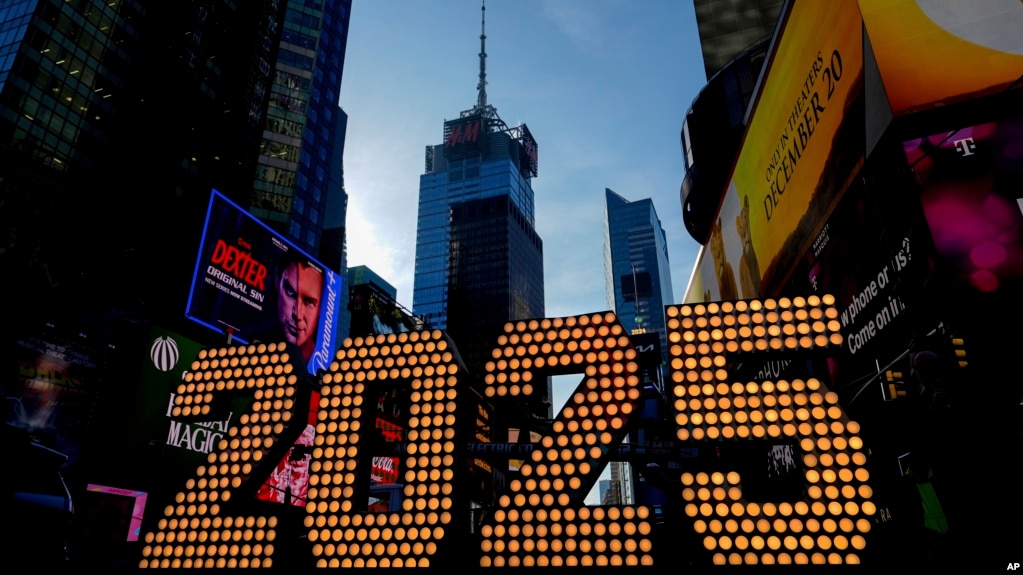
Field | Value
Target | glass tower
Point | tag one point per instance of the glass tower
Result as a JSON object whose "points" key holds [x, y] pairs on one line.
{"points": [[636, 271], [297, 185], [479, 260]]}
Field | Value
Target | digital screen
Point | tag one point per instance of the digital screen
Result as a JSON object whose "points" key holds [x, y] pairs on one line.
{"points": [[252, 283]]}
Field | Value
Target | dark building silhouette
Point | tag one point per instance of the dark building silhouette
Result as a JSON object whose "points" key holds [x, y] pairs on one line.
{"points": [[734, 36], [117, 119]]}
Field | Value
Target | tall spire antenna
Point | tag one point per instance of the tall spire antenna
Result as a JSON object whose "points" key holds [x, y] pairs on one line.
{"points": [[482, 86]]}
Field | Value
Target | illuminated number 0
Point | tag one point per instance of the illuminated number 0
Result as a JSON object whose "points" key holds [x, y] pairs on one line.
{"points": [[828, 526], [343, 536]]}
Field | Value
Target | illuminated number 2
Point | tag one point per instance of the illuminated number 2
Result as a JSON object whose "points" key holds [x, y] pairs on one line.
{"points": [[544, 522], [343, 536], [828, 526], [197, 530]]}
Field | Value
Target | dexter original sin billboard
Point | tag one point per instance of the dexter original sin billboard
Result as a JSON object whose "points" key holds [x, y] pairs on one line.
{"points": [[252, 283], [803, 142]]}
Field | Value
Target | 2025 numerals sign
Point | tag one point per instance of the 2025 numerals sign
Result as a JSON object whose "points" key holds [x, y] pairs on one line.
{"points": [[541, 521]]}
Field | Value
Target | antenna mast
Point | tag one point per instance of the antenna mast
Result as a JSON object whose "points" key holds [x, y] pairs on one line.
{"points": [[491, 121], [482, 86]]}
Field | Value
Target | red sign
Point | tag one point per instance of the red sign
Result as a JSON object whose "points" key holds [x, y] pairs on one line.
{"points": [[463, 133], [240, 262]]}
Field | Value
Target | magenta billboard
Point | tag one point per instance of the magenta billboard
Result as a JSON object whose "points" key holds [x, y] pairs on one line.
{"points": [[970, 191], [253, 284]]}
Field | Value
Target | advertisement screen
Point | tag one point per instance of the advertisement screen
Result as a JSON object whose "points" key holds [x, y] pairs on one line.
{"points": [[288, 482], [936, 52], [392, 410], [114, 513], [51, 395], [385, 468], [803, 144], [972, 181], [463, 135], [168, 356], [252, 283]]}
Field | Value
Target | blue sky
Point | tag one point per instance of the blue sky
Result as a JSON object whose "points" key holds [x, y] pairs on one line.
{"points": [[602, 84]]}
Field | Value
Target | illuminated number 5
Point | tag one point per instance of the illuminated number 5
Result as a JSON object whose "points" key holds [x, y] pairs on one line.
{"points": [[827, 527]]}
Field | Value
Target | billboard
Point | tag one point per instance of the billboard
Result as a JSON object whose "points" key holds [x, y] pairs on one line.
{"points": [[253, 284], [528, 151], [52, 394], [114, 513], [385, 469], [389, 424], [168, 357], [463, 135], [803, 143], [922, 45], [971, 181], [376, 313]]}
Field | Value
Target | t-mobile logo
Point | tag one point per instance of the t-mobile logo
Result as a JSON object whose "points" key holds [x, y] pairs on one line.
{"points": [[965, 146]]}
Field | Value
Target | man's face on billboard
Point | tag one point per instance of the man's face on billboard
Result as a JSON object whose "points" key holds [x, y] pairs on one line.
{"points": [[298, 304]]}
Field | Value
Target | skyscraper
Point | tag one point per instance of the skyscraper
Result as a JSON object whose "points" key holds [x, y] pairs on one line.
{"points": [[636, 271], [298, 187], [727, 28], [128, 107], [142, 107], [479, 260]]}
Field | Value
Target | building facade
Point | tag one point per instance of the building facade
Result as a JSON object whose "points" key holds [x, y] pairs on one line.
{"points": [[734, 38], [373, 306], [730, 27], [637, 275], [243, 98], [479, 260], [298, 186], [117, 119]]}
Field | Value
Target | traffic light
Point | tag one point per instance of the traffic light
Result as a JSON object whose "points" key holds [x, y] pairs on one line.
{"points": [[894, 385]]}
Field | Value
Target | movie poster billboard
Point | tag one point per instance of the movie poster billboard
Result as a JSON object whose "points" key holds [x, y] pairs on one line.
{"points": [[803, 144], [252, 283], [937, 52]]}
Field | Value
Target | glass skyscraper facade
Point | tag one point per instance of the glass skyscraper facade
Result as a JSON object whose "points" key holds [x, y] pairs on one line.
{"points": [[305, 129], [636, 270], [479, 260]]}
